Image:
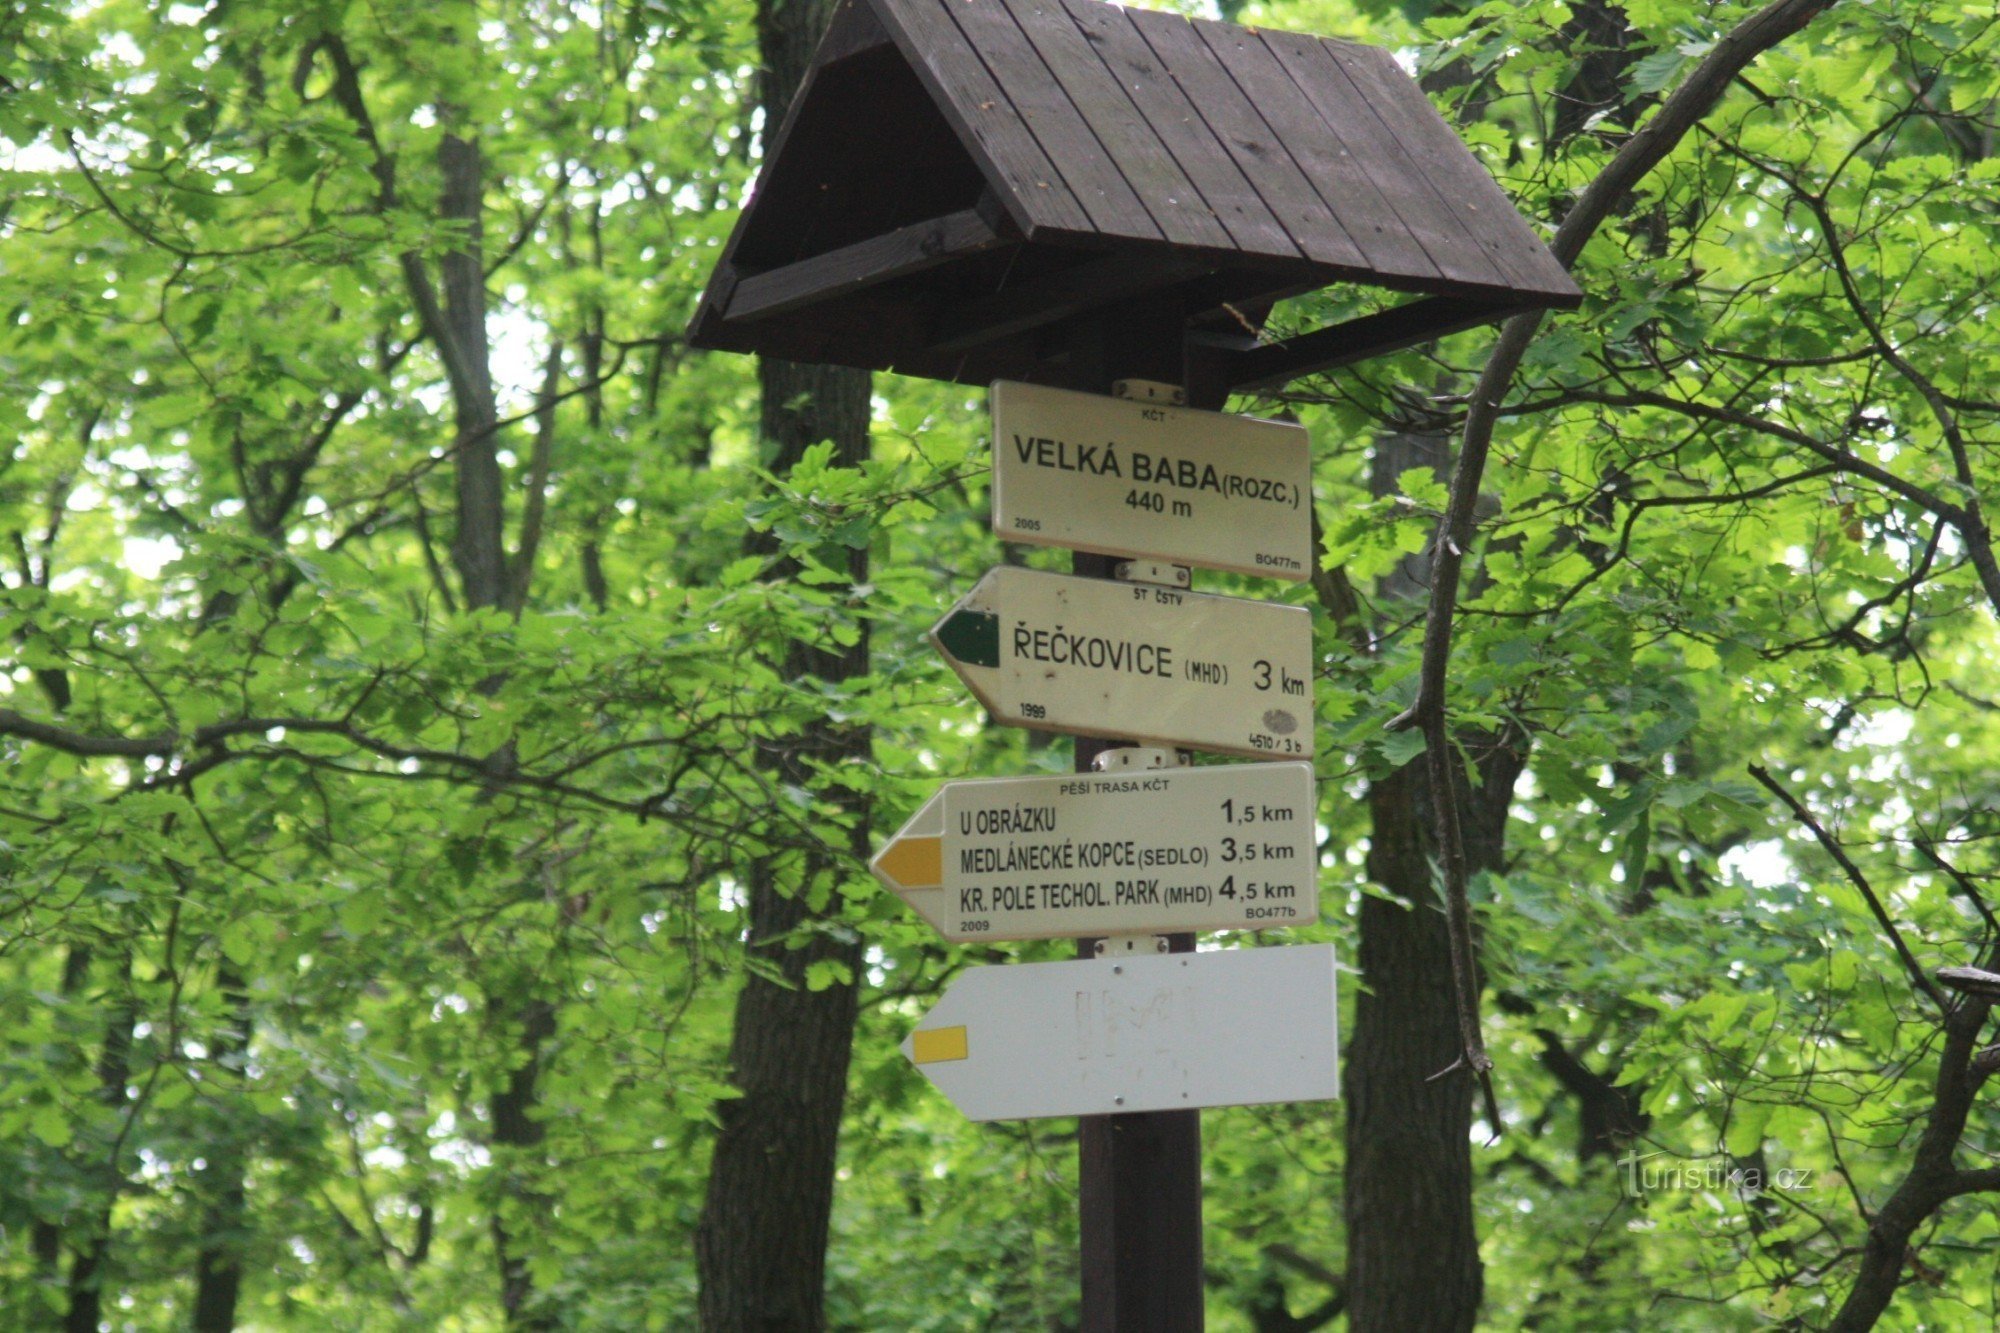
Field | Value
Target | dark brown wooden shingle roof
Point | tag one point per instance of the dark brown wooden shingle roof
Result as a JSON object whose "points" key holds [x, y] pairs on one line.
{"points": [[956, 176]]}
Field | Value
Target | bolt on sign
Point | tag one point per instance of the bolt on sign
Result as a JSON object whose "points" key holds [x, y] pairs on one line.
{"points": [[1096, 658], [1164, 850], [1161, 1032], [1119, 476]]}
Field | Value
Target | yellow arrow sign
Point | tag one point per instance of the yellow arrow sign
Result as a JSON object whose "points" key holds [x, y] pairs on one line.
{"points": [[1214, 848], [911, 863]]}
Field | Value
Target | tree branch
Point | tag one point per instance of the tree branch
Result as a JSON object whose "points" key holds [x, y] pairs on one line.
{"points": [[1843, 459], [423, 293], [1931, 1180], [1918, 977], [1640, 154], [522, 569]]}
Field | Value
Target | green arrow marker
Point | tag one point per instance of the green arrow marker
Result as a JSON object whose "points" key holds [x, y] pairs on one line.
{"points": [[971, 637]]}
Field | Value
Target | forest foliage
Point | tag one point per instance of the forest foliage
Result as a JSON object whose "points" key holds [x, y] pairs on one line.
{"points": [[385, 676]]}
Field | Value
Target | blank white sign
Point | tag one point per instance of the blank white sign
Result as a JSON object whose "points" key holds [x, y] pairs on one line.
{"points": [[1152, 1032]]}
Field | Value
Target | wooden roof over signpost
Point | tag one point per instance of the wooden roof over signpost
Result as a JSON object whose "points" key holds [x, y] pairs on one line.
{"points": [[958, 182]]}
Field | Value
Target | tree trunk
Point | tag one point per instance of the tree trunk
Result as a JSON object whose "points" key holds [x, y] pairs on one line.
{"points": [[518, 1133], [1412, 1250], [219, 1264], [761, 1247], [479, 548], [93, 1247], [479, 555], [45, 1238], [1932, 1178]]}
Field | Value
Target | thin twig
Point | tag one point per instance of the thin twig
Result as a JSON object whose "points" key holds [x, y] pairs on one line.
{"points": [[1918, 976], [1679, 114]]}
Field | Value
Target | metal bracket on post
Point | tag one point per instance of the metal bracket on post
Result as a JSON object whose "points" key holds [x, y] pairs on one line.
{"points": [[1156, 572], [1150, 391], [1135, 758], [1124, 946]]}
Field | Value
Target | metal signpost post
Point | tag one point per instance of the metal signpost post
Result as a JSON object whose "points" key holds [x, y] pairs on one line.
{"points": [[1138, 1172]]}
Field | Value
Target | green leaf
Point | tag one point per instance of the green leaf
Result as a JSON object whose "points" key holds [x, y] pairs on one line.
{"points": [[1652, 73], [1400, 747], [52, 1125], [739, 572], [828, 972], [1746, 1128]]}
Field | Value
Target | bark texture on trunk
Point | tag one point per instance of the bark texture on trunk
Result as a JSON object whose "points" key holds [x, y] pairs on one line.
{"points": [[1412, 1252], [1412, 1249], [479, 547], [518, 1129], [761, 1246], [93, 1243], [224, 1208]]}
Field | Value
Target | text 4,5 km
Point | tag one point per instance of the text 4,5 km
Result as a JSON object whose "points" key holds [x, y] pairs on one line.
{"points": [[1251, 890]]}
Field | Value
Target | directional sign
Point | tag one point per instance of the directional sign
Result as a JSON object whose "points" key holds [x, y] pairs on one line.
{"points": [[1144, 1032], [1111, 854], [1123, 477], [1133, 661]]}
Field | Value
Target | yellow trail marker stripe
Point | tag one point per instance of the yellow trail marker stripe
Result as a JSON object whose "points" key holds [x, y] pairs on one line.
{"points": [[914, 863], [930, 1045]]}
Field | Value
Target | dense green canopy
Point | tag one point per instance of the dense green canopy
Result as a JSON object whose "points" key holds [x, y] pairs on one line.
{"points": [[393, 652]]}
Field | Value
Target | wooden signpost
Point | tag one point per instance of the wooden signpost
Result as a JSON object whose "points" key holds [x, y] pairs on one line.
{"points": [[1114, 1036], [1137, 658], [1056, 196], [1093, 657], [1124, 477], [1174, 849]]}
